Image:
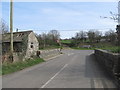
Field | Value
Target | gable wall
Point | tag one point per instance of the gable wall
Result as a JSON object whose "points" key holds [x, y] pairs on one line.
{"points": [[32, 46]]}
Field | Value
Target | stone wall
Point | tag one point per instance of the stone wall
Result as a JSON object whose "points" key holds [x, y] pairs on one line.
{"points": [[16, 57], [45, 54], [110, 61]]}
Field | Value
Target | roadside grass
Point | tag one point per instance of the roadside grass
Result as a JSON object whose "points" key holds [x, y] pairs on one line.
{"points": [[116, 50], [8, 68], [105, 46], [113, 49]]}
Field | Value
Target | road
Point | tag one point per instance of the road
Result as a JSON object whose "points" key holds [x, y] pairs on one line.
{"points": [[73, 69]]}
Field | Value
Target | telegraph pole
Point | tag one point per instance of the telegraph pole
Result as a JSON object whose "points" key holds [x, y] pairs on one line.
{"points": [[119, 13], [11, 29], [118, 26]]}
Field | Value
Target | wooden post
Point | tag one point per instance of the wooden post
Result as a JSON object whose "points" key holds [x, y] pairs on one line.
{"points": [[11, 30], [119, 13], [118, 26]]}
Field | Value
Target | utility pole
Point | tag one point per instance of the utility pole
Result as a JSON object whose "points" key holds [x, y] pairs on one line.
{"points": [[11, 30], [118, 26], [119, 13]]}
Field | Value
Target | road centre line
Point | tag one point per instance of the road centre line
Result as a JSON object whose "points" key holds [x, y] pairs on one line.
{"points": [[98, 83], [54, 76], [70, 54]]}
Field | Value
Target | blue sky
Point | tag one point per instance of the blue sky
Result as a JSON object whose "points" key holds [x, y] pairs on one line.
{"points": [[66, 17]]}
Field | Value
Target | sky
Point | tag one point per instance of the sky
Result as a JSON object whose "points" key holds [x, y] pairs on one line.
{"points": [[66, 17]]}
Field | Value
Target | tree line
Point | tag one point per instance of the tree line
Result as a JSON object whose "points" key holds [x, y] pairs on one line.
{"points": [[94, 36], [51, 38]]}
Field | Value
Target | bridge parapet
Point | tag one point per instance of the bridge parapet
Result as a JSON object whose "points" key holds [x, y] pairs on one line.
{"points": [[111, 61]]}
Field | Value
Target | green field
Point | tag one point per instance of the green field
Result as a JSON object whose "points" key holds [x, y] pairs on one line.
{"points": [[66, 41]]}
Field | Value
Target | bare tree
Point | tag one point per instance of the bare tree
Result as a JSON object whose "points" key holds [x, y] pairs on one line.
{"points": [[48, 39], [44, 36], [112, 16], [54, 35], [91, 36], [4, 27], [111, 36], [81, 36], [98, 36]]}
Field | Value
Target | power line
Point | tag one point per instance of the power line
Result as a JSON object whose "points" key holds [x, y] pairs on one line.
{"points": [[65, 30]]}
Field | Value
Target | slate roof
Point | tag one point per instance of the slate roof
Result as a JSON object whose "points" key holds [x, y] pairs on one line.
{"points": [[17, 36]]}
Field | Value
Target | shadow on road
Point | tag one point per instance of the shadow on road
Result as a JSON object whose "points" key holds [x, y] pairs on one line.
{"points": [[96, 72]]}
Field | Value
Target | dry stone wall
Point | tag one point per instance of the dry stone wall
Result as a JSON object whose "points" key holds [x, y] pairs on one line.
{"points": [[111, 61], [45, 54]]}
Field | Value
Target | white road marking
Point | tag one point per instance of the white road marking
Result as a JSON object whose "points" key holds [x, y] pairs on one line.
{"points": [[53, 57], [98, 83], [54, 76], [91, 53], [70, 54]]}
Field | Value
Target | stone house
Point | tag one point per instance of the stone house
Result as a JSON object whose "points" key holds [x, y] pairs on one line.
{"points": [[25, 45]]}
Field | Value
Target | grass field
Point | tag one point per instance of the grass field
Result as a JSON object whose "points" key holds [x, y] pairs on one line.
{"points": [[66, 41]]}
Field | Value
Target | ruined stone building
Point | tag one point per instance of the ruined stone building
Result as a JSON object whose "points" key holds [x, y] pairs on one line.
{"points": [[25, 45]]}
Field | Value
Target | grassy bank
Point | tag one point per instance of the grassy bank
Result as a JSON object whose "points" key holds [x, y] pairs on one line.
{"points": [[115, 50], [13, 67], [110, 49], [105, 46]]}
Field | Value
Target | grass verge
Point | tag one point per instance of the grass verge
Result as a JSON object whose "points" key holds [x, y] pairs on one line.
{"points": [[13, 67], [114, 49]]}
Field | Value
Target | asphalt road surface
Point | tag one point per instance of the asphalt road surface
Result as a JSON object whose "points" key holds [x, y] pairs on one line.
{"points": [[73, 69]]}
